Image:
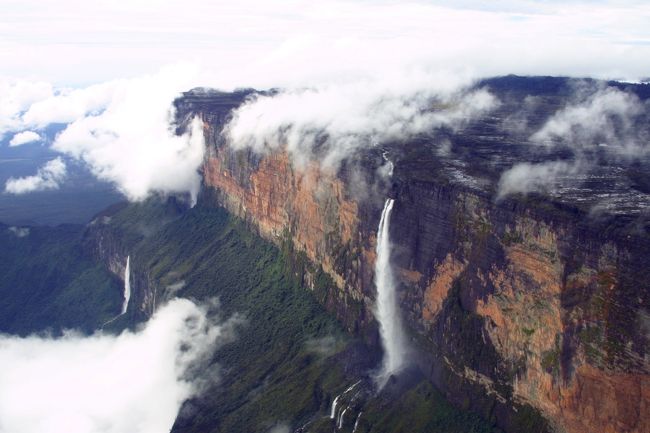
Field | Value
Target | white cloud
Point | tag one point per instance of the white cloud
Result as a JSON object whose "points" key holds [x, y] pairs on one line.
{"points": [[16, 96], [71, 104], [297, 42], [544, 177], [369, 69], [607, 117], [600, 122], [354, 114], [131, 383], [127, 138], [24, 138], [49, 176]]}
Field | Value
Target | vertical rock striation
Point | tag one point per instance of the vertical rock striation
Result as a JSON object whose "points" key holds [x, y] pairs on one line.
{"points": [[527, 310]]}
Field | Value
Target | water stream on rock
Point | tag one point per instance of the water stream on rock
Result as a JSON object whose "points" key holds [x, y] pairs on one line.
{"points": [[387, 309], [127, 285]]}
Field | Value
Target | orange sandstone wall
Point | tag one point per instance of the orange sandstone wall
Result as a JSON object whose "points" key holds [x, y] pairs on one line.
{"points": [[525, 306]]}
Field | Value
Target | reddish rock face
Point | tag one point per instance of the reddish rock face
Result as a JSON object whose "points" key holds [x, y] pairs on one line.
{"points": [[608, 401], [527, 305], [562, 307], [310, 209], [307, 205]]}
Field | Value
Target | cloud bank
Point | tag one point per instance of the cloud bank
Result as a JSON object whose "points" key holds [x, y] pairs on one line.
{"points": [[131, 383], [607, 117], [49, 176], [348, 68], [336, 120], [121, 130]]}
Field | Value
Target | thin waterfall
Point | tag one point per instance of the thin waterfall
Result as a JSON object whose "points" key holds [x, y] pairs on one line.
{"points": [[387, 308], [127, 291], [340, 423], [334, 403], [356, 423], [127, 285], [333, 412]]}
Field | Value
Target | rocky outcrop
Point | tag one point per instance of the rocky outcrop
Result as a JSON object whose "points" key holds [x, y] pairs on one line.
{"points": [[110, 240], [526, 310]]}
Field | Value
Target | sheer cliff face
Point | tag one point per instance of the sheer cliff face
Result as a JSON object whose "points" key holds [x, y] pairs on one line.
{"points": [[308, 209], [525, 304], [558, 310]]}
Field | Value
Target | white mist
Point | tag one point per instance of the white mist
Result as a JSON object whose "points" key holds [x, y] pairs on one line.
{"points": [[387, 309]]}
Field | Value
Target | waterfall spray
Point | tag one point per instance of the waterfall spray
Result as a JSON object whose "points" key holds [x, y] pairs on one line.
{"points": [[127, 285], [387, 309]]}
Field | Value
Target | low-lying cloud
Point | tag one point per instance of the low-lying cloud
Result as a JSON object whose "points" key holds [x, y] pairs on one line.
{"points": [[608, 117], [131, 383], [336, 120], [280, 428], [121, 129], [543, 177], [323, 346], [131, 142], [355, 73], [599, 122], [49, 176]]}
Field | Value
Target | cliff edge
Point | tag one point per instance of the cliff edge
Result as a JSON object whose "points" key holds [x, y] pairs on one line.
{"points": [[528, 306]]}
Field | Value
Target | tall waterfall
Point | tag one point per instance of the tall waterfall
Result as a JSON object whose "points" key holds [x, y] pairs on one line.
{"points": [[127, 284], [387, 309]]}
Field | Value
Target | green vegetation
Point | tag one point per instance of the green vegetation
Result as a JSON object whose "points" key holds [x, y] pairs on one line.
{"points": [[551, 360], [271, 372], [528, 419], [591, 337], [288, 357], [528, 331], [48, 284], [420, 409], [512, 237], [482, 227]]}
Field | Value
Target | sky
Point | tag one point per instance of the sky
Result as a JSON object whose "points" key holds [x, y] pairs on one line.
{"points": [[109, 70], [264, 43]]}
